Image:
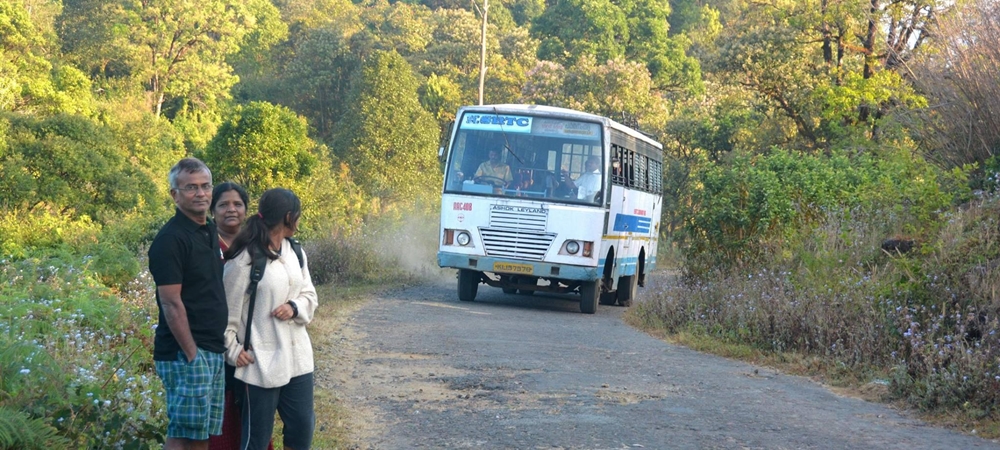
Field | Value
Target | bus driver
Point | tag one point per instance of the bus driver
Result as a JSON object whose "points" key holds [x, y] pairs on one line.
{"points": [[494, 172]]}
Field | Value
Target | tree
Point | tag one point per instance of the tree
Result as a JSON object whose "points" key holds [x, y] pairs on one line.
{"points": [[573, 28], [398, 26], [454, 50], [515, 53], [962, 80], [261, 146], [28, 81], [618, 89], [255, 63], [441, 97], [386, 137], [801, 61], [664, 55], [174, 48], [318, 77]]}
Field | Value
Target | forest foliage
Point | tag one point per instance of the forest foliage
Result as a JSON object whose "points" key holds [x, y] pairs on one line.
{"points": [[799, 135]]}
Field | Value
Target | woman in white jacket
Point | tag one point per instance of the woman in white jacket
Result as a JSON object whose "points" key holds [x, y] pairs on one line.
{"points": [[278, 368]]}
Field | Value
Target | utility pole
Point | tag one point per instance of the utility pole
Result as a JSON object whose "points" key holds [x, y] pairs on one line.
{"points": [[482, 49]]}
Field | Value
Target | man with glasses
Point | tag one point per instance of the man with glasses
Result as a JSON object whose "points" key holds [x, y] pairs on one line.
{"points": [[186, 264]]}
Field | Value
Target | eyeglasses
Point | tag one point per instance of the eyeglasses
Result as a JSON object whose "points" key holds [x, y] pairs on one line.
{"points": [[194, 188]]}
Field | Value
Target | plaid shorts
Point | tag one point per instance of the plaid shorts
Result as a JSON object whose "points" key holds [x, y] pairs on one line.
{"points": [[195, 394]]}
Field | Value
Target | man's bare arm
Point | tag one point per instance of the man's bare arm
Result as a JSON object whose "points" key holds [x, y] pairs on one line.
{"points": [[176, 315]]}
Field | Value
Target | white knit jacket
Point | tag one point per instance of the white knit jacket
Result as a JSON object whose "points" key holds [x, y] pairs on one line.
{"points": [[281, 348]]}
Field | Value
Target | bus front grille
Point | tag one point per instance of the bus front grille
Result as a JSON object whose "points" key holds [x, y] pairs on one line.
{"points": [[519, 220], [516, 243]]}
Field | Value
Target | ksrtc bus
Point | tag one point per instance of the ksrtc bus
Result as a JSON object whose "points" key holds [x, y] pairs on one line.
{"points": [[548, 199]]}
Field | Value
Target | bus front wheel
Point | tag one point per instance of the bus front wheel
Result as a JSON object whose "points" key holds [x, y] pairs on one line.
{"points": [[590, 293], [468, 285]]}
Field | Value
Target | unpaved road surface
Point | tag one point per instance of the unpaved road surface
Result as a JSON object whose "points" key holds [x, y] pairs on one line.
{"points": [[420, 369]]}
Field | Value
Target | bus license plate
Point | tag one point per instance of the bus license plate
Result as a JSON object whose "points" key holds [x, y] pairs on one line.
{"points": [[521, 269]]}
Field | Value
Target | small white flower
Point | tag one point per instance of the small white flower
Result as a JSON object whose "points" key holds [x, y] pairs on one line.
{"points": [[25, 371]]}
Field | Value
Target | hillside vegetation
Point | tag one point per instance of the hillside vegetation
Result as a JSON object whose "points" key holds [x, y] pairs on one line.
{"points": [[829, 193]]}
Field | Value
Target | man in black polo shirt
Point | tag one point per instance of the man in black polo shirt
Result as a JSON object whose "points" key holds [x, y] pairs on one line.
{"points": [[186, 264]]}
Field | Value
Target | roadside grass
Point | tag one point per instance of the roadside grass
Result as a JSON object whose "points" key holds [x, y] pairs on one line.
{"points": [[919, 330]]}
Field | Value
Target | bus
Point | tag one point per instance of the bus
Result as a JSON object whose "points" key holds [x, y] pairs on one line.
{"points": [[545, 199]]}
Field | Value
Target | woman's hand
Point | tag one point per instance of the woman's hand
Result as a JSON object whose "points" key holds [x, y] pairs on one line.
{"points": [[284, 312], [244, 359]]}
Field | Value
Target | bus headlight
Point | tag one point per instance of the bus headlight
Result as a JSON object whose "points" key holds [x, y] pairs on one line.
{"points": [[463, 238], [572, 247]]}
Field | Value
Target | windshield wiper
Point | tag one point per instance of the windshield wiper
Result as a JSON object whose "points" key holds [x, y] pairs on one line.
{"points": [[506, 142]]}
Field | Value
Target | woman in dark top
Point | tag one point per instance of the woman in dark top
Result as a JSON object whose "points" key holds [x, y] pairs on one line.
{"points": [[229, 209]]}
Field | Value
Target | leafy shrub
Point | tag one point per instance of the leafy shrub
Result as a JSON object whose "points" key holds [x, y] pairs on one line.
{"points": [[333, 259], [387, 248], [22, 232], [752, 205]]}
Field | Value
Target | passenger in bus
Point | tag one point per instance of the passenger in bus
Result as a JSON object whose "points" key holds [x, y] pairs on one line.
{"points": [[523, 185], [494, 172], [589, 183]]}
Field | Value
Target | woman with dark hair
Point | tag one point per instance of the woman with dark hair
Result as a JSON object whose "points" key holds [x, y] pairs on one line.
{"points": [[229, 209], [278, 367]]}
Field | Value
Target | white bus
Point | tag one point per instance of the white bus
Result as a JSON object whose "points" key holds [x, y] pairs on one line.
{"points": [[548, 199]]}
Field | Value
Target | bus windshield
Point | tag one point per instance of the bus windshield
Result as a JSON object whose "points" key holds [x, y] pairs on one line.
{"points": [[524, 156]]}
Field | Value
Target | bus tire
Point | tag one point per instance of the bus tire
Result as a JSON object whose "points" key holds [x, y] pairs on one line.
{"points": [[468, 285], [590, 292], [627, 287]]}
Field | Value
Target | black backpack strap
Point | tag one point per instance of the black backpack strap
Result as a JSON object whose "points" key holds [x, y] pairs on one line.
{"points": [[297, 247], [256, 273]]}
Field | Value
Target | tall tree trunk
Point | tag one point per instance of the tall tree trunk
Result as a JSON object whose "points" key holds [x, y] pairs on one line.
{"points": [[869, 44], [827, 44]]}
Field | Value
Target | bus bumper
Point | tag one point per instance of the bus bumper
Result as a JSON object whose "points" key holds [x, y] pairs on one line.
{"points": [[518, 267]]}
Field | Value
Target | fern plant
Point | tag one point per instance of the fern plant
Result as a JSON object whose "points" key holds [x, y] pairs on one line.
{"points": [[19, 431]]}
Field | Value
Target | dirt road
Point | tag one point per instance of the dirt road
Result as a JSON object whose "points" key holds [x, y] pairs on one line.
{"points": [[420, 369]]}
